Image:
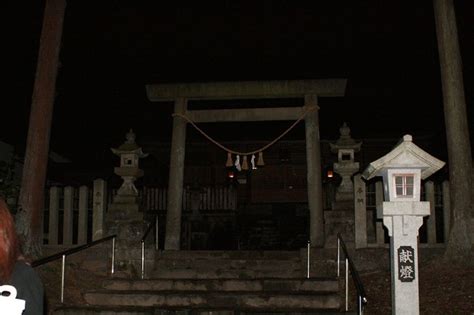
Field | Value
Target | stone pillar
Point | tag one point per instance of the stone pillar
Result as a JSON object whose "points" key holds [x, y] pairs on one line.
{"points": [[98, 211], [175, 184], [403, 220], [53, 226], [379, 232], [360, 212], [313, 162], [431, 222], [446, 210], [82, 218], [457, 130]]}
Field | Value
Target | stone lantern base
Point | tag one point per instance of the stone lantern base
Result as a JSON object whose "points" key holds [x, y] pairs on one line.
{"points": [[124, 207], [339, 221], [125, 219]]}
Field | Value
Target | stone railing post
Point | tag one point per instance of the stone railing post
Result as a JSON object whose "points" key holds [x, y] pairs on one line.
{"points": [[379, 231], [82, 218], [99, 207], [431, 222], [68, 215], [360, 212], [53, 223], [446, 210]]}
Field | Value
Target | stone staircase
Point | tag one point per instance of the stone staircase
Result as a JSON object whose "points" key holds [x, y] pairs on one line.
{"points": [[223, 282]]}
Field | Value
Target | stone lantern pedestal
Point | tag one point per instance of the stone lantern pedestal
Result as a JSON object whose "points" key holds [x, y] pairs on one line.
{"points": [[345, 191], [403, 221]]}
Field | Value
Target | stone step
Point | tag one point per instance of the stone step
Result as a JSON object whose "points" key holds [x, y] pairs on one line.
{"points": [[225, 285], [321, 312], [272, 301], [219, 273], [322, 254], [224, 269], [88, 310], [203, 267], [210, 271], [230, 264], [93, 310], [223, 254], [241, 265]]}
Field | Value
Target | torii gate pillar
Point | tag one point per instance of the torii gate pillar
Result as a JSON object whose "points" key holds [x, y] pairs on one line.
{"points": [[313, 164], [175, 182]]}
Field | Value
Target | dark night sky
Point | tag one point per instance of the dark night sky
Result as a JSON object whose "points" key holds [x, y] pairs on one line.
{"points": [[112, 48]]}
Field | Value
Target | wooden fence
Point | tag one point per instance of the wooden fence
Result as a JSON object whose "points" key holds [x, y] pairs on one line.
{"points": [[76, 215], [205, 198]]}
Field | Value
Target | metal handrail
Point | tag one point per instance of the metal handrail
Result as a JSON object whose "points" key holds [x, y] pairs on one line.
{"points": [[71, 251], [361, 296], [142, 242]]}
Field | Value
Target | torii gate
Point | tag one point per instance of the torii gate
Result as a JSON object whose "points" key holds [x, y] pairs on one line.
{"points": [[310, 90]]}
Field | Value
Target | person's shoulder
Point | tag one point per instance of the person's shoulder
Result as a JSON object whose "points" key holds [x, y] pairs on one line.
{"points": [[22, 266], [23, 270]]}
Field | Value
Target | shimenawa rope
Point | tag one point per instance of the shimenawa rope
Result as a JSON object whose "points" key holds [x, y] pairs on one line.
{"points": [[309, 108]]}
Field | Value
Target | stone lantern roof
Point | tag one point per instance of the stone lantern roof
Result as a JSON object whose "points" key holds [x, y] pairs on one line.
{"points": [[129, 146], [406, 155], [345, 140]]}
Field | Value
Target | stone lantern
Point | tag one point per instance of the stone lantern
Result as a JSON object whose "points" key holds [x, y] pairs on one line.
{"points": [[402, 170], [345, 147], [340, 219], [125, 205], [129, 153], [124, 217]]}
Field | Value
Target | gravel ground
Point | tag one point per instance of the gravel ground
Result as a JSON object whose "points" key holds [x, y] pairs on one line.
{"points": [[443, 290]]}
